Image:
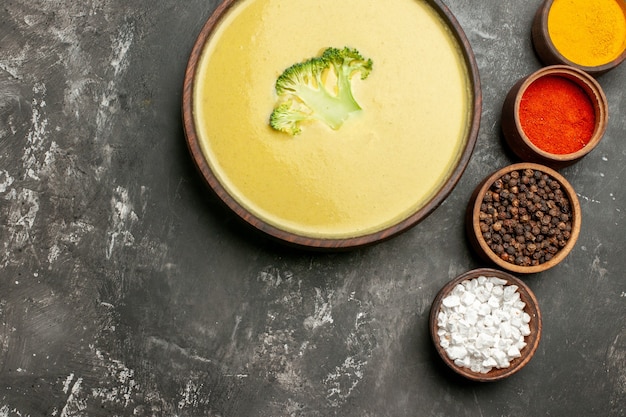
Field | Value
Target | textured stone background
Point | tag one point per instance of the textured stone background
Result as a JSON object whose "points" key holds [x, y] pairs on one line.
{"points": [[126, 290]]}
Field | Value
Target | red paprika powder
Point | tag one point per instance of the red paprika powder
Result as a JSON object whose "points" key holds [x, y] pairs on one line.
{"points": [[557, 115]]}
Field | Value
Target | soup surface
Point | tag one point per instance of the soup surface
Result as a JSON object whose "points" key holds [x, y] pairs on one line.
{"points": [[386, 161]]}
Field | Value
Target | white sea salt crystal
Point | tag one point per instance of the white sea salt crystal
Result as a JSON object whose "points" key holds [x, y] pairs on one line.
{"points": [[484, 340], [470, 284], [451, 301], [457, 339], [509, 291], [502, 315], [442, 318], [504, 363], [484, 309], [499, 356], [493, 301], [514, 298], [471, 315], [504, 344], [468, 298], [498, 281], [482, 294], [498, 291], [513, 352], [489, 363], [505, 330], [515, 333], [463, 362], [482, 325], [456, 352]]}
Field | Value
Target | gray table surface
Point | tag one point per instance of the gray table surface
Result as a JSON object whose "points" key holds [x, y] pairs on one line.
{"points": [[125, 289]]}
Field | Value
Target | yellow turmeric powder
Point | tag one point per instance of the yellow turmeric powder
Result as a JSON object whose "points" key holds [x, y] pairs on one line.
{"points": [[588, 32]]}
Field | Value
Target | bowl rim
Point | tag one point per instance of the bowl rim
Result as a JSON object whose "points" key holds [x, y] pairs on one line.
{"points": [[309, 242], [592, 89], [541, 34], [532, 308], [477, 235]]}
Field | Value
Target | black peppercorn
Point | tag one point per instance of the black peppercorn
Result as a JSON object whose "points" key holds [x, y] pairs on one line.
{"points": [[525, 217]]}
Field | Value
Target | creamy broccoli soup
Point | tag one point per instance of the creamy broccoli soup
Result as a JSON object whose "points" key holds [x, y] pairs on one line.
{"points": [[384, 163]]}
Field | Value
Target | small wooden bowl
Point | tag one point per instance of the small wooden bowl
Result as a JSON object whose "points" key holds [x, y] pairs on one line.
{"points": [[531, 308], [550, 55], [519, 142], [476, 236]]}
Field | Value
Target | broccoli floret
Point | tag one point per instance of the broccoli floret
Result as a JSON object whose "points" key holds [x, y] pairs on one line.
{"points": [[287, 118], [319, 89]]}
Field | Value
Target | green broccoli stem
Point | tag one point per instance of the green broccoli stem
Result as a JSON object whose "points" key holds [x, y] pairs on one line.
{"points": [[329, 108]]}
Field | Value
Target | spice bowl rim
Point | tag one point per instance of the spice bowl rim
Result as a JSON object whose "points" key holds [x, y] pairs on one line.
{"points": [[519, 141], [550, 55], [477, 240], [532, 308]]}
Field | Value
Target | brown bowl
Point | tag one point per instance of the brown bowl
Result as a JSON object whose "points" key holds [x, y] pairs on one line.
{"points": [[550, 55], [521, 144], [258, 221], [532, 340], [537, 250]]}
